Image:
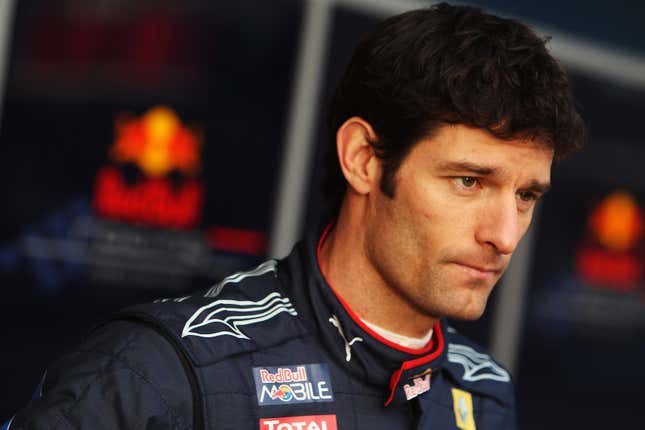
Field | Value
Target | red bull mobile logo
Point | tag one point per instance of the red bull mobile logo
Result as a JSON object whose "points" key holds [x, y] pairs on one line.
{"points": [[159, 145], [304, 383]]}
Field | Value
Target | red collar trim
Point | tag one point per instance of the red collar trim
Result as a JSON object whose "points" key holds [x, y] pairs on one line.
{"points": [[436, 334]]}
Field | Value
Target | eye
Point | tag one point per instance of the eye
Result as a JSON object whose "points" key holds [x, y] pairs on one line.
{"points": [[527, 196], [468, 181]]}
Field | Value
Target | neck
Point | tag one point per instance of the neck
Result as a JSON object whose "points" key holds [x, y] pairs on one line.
{"points": [[344, 262]]}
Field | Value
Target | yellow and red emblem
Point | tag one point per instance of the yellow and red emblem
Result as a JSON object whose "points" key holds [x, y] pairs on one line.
{"points": [[158, 144], [610, 256]]}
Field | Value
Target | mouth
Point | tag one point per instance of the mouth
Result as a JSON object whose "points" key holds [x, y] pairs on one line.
{"points": [[479, 272]]}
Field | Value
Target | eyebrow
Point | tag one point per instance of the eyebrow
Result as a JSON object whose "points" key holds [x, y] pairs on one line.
{"points": [[467, 166], [539, 187]]}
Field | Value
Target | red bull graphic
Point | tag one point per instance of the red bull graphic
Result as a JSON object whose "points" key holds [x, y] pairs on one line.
{"points": [[152, 179], [596, 285], [308, 422], [158, 144], [419, 386], [612, 254], [284, 375], [304, 383]]}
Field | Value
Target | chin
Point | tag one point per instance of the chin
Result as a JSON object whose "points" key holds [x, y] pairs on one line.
{"points": [[468, 312], [467, 315], [458, 303]]}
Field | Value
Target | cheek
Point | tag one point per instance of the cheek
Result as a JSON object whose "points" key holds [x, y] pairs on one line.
{"points": [[426, 200], [443, 212]]}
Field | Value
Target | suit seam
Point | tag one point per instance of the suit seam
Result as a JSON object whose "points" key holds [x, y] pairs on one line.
{"points": [[101, 373], [176, 418]]}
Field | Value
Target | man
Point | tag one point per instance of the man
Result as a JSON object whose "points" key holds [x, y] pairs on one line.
{"points": [[446, 125]]}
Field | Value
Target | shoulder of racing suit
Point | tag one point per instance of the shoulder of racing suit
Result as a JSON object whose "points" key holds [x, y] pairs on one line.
{"points": [[471, 367], [245, 312], [108, 381], [142, 358]]}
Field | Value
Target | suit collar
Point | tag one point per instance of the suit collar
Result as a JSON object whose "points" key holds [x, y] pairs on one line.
{"points": [[364, 353]]}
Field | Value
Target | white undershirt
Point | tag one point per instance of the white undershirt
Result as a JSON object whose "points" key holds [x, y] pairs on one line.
{"points": [[399, 339]]}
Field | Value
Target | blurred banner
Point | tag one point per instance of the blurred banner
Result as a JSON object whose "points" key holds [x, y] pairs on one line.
{"points": [[139, 158], [582, 348], [142, 224]]}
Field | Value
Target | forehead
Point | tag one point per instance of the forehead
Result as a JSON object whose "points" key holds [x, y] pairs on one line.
{"points": [[453, 145]]}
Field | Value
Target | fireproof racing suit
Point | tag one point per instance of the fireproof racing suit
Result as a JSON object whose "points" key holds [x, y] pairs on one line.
{"points": [[274, 348]]}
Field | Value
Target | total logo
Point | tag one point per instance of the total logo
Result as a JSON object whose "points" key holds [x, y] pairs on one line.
{"points": [[307, 422], [303, 383]]}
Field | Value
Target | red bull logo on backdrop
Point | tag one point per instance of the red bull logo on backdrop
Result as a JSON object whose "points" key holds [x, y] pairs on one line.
{"points": [[158, 145], [612, 254]]}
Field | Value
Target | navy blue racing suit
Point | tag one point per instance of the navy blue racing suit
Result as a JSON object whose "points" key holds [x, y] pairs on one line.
{"points": [[273, 348]]}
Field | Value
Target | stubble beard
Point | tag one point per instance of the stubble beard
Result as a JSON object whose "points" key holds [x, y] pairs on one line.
{"points": [[437, 294]]}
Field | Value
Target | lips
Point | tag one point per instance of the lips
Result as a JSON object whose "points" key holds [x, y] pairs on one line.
{"points": [[482, 268], [479, 271]]}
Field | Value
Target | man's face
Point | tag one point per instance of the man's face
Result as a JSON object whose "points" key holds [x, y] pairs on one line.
{"points": [[463, 201]]}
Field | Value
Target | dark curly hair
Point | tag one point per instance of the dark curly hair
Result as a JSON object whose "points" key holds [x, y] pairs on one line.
{"points": [[452, 65]]}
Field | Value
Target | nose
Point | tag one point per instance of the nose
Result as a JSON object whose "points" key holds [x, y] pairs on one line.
{"points": [[500, 226]]}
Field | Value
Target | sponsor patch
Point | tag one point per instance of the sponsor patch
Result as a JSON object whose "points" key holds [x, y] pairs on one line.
{"points": [[463, 407], [419, 385], [301, 383], [307, 422]]}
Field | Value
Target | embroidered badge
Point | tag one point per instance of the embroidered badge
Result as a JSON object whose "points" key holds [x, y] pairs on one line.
{"points": [[307, 422], [302, 383], [225, 317], [463, 407], [419, 385], [477, 366]]}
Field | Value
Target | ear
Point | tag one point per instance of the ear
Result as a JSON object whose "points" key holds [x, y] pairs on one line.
{"points": [[356, 156]]}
